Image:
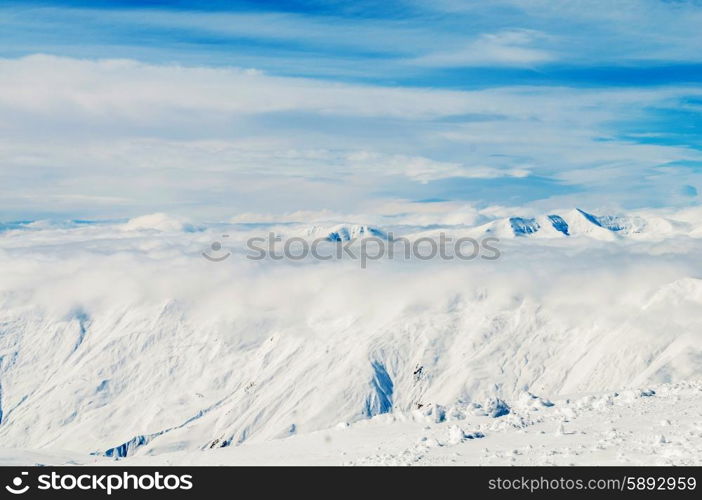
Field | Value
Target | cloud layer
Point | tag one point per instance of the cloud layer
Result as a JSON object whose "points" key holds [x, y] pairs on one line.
{"points": [[213, 113]]}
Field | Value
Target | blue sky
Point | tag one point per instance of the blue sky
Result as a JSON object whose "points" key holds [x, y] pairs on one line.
{"points": [[213, 108]]}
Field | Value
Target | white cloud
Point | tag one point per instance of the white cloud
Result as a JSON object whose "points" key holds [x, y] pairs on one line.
{"points": [[424, 169], [108, 89], [382, 213], [596, 32], [505, 48], [104, 137]]}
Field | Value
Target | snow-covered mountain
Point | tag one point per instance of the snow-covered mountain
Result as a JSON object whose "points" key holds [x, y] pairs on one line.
{"points": [[121, 340], [578, 222], [573, 223], [344, 232]]}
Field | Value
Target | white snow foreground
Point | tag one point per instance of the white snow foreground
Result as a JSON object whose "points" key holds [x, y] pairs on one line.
{"points": [[121, 340], [661, 426]]}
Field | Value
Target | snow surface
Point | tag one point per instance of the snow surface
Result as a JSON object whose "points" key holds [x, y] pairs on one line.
{"points": [[120, 340], [661, 425]]}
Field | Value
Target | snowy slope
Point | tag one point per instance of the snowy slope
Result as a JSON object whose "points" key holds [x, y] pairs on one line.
{"points": [[658, 425], [122, 340], [344, 232], [655, 426]]}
